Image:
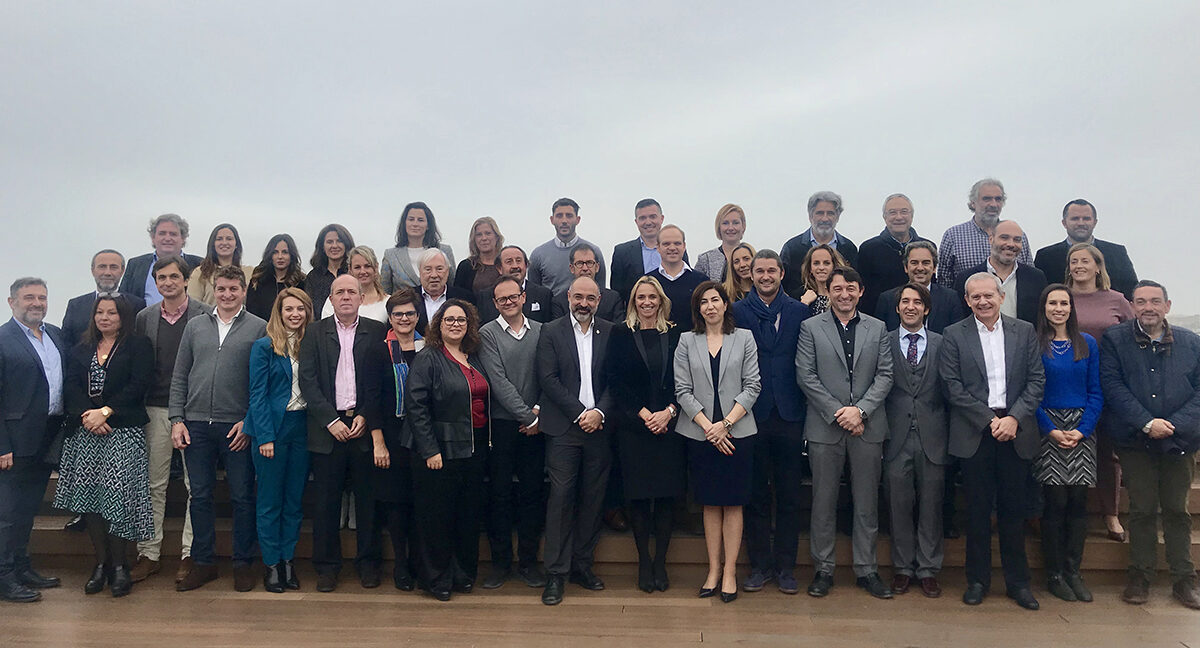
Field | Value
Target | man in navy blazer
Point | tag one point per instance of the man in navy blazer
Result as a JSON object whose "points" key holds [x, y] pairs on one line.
{"points": [[1079, 219], [920, 263], [1022, 284], [31, 413], [824, 212], [632, 259], [774, 318], [168, 235], [107, 267]]}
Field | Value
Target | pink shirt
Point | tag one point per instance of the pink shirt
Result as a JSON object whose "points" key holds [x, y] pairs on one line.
{"points": [[344, 391]]}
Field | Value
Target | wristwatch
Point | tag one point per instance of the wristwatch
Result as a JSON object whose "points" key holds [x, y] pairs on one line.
{"points": [[672, 410], [106, 411], [727, 424], [861, 413]]}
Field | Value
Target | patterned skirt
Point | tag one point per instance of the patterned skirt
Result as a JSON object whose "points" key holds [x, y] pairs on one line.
{"points": [[108, 475], [1055, 466]]}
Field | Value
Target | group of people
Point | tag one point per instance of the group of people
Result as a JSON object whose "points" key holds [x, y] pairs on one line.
{"points": [[443, 395]]}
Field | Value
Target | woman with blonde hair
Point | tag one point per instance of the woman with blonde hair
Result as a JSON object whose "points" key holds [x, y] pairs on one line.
{"points": [[730, 228], [818, 265], [365, 268], [479, 271], [737, 280], [277, 422]]}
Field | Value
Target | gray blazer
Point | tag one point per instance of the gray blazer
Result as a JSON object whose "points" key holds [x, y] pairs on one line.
{"points": [[917, 398], [395, 271], [822, 373], [965, 377], [737, 383]]}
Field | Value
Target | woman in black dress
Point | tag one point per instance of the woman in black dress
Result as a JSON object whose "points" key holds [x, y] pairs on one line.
{"points": [[330, 260], [641, 373], [279, 269]]}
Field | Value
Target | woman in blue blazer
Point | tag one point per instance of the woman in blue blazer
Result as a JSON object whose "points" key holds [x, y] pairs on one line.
{"points": [[276, 421]]}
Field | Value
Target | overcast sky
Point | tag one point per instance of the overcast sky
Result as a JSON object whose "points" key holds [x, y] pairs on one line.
{"points": [[284, 116]]}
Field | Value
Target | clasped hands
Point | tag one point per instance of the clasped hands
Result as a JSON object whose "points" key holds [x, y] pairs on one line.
{"points": [[850, 418], [343, 432], [1161, 429], [1003, 429], [96, 422], [1066, 439], [656, 422]]}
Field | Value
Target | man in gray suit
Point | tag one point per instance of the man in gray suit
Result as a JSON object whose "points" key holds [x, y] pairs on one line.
{"points": [[992, 369], [915, 453], [844, 366]]}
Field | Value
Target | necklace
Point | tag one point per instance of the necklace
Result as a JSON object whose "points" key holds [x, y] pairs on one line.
{"points": [[1060, 347]]}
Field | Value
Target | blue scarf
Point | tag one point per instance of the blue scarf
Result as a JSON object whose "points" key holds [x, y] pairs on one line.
{"points": [[399, 369], [764, 318]]}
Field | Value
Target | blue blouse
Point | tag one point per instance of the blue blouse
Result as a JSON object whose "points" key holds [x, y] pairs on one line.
{"points": [[1072, 384]]}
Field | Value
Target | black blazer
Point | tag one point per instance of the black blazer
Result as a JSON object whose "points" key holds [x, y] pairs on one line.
{"points": [[558, 374], [452, 292], [318, 361], [1030, 283], [1052, 261], [137, 271], [881, 264], [947, 308], [24, 392], [629, 378], [539, 304], [129, 372], [627, 267], [79, 311], [437, 406], [611, 307]]}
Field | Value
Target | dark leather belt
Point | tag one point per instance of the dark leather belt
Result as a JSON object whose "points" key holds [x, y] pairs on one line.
{"points": [[1000, 411], [346, 413]]}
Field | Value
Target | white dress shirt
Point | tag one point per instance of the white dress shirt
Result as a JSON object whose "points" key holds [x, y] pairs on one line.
{"points": [[432, 305], [583, 347], [922, 341], [993, 358], [223, 327], [1009, 286], [517, 334]]}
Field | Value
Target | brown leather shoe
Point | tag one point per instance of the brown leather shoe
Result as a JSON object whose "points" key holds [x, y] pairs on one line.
{"points": [[185, 566], [1137, 590], [144, 568], [197, 576], [243, 578], [900, 583], [930, 587], [1187, 593]]}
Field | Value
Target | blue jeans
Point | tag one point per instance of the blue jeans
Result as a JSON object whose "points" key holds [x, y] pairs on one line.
{"points": [[209, 443], [281, 482]]}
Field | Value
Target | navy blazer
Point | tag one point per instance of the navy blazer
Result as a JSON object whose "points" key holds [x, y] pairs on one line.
{"points": [[558, 374], [270, 392], [627, 267], [1030, 283], [137, 271], [947, 308], [24, 399], [1052, 261], [777, 360], [79, 312]]}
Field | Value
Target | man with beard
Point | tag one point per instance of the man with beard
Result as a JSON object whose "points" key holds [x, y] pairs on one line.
{"points": [[107, 268], [538, 299], [549, 263], [1022, 283], [1079, 219], [946, 307], [966, 245], [824, 211], [571, 356]]}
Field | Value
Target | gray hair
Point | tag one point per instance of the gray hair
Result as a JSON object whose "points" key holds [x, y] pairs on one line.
{"points": [[108, 251], [427, 256], [169, 218], [921, 245], [826, 196], [974, 195], [897, 195], [24, 282], [984, 276]]}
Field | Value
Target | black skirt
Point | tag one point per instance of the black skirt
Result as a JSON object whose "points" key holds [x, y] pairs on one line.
{"points": [[718, 479], [652, 465]]}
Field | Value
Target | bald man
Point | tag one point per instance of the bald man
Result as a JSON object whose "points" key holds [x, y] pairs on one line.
{"points": [[1022, 284]]}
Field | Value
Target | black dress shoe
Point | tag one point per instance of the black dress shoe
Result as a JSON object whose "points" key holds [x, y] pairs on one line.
{"points": [[553, 594], [974, 594], [290, 580], [369, 576], [99, 579], [1058, 587], [821, 583], [76, 524], [532, 576], [586, 579], [874, 585], [661, 582], [464, 586], [326, 581], [121, 583], [402, 579], [273, 579], [13, 591], [1024, 598], [497, 577], [34, 580], [1075, 582], [440, 594]]}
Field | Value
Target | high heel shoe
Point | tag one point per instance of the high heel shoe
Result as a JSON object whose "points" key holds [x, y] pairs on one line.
{"points": [[99, 578], [645, 578], [709, 592], [729, 597], [661, 582], [121, 583]]}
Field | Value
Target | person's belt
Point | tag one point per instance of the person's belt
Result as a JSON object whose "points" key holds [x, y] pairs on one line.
{"points": [[349, 414], [1001, 412]]}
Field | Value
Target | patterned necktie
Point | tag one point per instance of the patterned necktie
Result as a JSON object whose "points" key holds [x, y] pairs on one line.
{"points": [[912, 348]]}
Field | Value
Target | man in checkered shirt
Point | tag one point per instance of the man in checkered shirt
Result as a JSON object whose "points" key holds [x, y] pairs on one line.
{"points": [[966, 245]]}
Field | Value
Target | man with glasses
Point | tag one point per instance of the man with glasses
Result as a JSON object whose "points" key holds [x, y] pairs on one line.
{"points": [[968, 244], [538, 298], [509, 356], [585, 264]]}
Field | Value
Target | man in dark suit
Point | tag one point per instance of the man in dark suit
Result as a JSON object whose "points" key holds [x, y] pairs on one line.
{"points": [[920, 263], [341, 362], [434, 269], [575, 397], [824, 211], [168, 235], [992, 370], [107, 268], [844, 366], [538, 298], [774, 318], [31, 413], [584, 264], [1022, 284], [915, 453], [881, 259], [1079, 219], [632, 259]]}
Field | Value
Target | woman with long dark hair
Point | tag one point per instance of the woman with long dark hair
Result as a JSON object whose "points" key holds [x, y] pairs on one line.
{"points": [[224, 249], [416, 232], [105, 468], [329, 261], [279, 269], [1066, 464]]}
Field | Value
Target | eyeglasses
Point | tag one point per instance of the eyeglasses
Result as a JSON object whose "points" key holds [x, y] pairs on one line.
{"points": [[508, 299], [455, 321], [585, 264], [404, 314]]}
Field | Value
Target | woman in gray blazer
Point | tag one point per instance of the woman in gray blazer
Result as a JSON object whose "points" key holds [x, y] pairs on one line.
{"points": [[716, 384], [416, 232]]}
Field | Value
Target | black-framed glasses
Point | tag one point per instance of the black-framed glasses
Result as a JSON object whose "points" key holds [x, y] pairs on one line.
{"points": [[404, 314], [508, 299], [455, 321]]}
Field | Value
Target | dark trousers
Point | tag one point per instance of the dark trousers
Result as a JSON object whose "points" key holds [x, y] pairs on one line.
{"points": [[996, 474], [1064, 528], [513, 453], [281, 482], [1158, 487], [329, 471], [21, 490], [578, 464], [210, 443], [447, 507], [776, 480]]}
